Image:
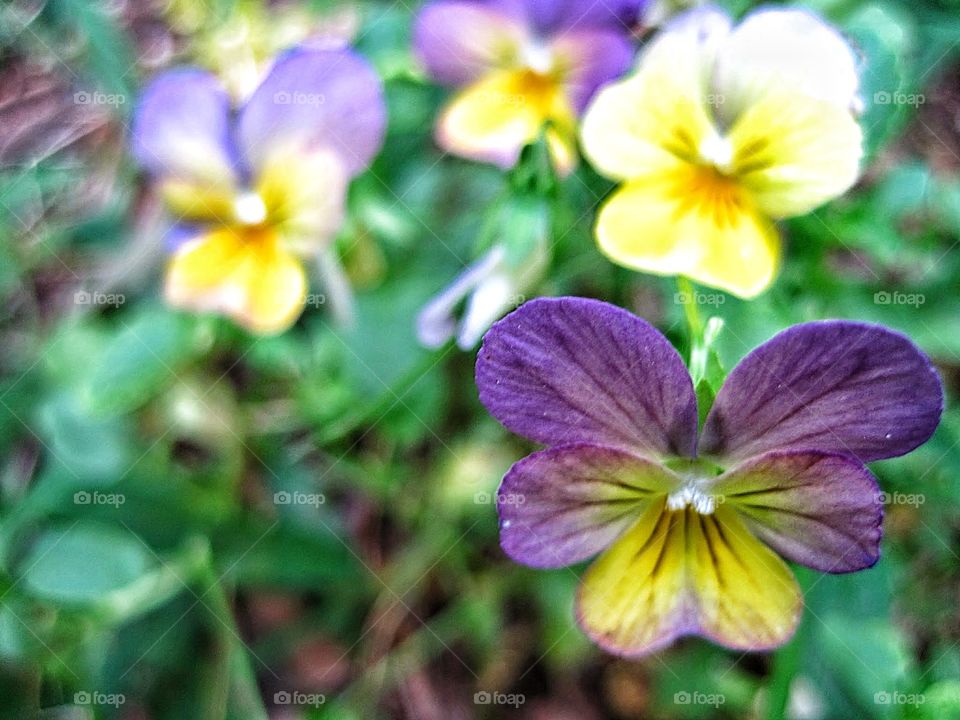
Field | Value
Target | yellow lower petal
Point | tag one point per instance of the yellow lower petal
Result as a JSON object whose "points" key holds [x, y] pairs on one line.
{"points": [[691, 221], [493, 119], [747, 597], [305, 194], [635, 598], [192, 201], [678, 573], [795, 153], [243, 274]]}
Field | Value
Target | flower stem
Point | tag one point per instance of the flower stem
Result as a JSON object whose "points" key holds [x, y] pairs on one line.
{"points": [[687, 297]]}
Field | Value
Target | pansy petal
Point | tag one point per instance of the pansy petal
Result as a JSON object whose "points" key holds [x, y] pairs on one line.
{"points": [[682, 573], [493, 119], [821, 510], [565, 504], [555, 17], [305, 196], [776, 49], [590, 58], [316, 98], [833, 386], [458, 41], [746, 596], [181, 130], [691, 221], [251, 280], [565, 370], [794, 153], [636, 598], [659, 116]]}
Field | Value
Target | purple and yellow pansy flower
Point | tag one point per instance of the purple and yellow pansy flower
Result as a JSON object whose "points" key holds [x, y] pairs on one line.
{"points": [[720, 131], [256, 190], [690, 527], [521, 64]]}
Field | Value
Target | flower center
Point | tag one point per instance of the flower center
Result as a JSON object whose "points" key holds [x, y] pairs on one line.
{"points": [[249, 209], [717, 151], [695, 492], [539, 58]]}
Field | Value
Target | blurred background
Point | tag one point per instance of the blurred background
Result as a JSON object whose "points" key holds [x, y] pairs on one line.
{"points": [[199, 523]]}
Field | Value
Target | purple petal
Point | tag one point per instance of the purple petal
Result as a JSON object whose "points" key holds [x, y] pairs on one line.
{"points": [[181, 128], [179, 233], [834, 386], [594, 57], [818, 509], [316, 98], [566, 504], [458, 41], [554, 17], [562, 370]]}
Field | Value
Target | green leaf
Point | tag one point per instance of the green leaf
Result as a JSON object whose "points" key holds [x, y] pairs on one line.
{"points": [[140, 360]]}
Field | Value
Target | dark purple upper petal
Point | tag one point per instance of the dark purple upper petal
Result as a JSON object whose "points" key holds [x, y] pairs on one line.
{"points": [[552, 17], [834, 386], [563, 370], [316, 98], [182, 130], [594, 57], [565, 504], [819, 509]]}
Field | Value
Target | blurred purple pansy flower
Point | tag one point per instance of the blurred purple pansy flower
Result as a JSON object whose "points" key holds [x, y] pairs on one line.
{"points": [[522, 64], [689, 525], [256, 190]]}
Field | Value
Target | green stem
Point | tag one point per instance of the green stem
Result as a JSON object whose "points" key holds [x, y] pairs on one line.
{"points": [[687, 296]]}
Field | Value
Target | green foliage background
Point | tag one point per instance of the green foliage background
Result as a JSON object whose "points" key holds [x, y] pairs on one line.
{"points": [[200, 596]]}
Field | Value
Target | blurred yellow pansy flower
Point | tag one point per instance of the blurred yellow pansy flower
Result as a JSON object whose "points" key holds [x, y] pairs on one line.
{"points": [[719, 132]]}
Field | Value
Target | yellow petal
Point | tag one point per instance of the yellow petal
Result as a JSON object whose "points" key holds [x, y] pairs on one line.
{"points": [[494, 118], [795, 153], [635, 597], [304, 194], [747, 597], [656, 118], [193, 201], [678, 573], [244, 274], [691, 221]]}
